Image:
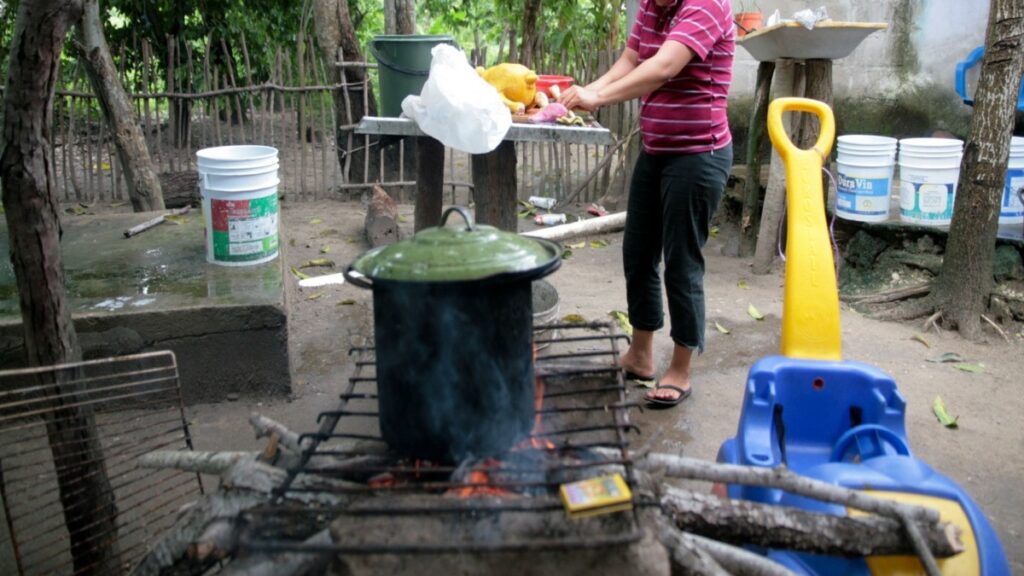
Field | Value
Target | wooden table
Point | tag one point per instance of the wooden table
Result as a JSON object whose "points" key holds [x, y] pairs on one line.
{"points": [[794, 61], [495, 191]]}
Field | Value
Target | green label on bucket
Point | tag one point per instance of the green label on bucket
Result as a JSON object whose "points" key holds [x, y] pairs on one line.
{"points": [[927, 202], [244, 230], [866, 196]]}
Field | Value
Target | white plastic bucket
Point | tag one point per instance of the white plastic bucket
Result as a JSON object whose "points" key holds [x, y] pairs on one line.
{"points": [[239, 191], [1011, 210], [864, 180], [929, 170]]}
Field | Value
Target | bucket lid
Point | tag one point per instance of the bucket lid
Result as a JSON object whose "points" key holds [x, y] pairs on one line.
{"points": [[858, 140], [454, 253], [236, 153], [932, 143]]}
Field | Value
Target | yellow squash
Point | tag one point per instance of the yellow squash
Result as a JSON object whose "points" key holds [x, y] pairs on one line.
{"points": [[515, 83]]}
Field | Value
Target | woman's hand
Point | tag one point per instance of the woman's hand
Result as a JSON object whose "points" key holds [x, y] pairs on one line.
{"points": [[580, 97]]}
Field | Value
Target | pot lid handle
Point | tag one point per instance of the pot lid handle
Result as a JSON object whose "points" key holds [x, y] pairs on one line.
{"points": [[470, 226]]}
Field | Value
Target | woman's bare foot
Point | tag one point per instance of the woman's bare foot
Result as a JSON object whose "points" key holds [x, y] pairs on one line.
{"points": [[639, 359], [677, 375]]}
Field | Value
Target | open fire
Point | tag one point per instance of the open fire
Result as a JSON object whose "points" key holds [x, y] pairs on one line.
{"points": [[361, 491]]}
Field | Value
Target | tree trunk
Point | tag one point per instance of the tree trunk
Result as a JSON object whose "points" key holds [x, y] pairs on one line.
{"points": [[31, 204], [531, 13], [143, 185], [337, 36], [963, 285], [752, 186], [399, 16]]}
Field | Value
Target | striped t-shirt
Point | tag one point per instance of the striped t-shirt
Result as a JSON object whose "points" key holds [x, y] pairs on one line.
{"points": [[687, 115]]}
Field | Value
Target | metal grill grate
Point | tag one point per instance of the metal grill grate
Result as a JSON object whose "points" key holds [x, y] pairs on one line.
{"points": [[135, 404], [584, 408]]}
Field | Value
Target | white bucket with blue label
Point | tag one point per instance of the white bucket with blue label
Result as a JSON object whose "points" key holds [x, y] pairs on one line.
{"points": [[929, 170], [1011, 210], [865, 166]]}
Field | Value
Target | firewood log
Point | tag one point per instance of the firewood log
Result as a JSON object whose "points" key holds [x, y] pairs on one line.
{"points": [[382, 219]]}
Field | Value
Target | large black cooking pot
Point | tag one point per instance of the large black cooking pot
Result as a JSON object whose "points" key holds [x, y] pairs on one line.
{"points": [[453, 323]]}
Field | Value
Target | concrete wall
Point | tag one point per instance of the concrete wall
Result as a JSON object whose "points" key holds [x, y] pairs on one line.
{"points": [[925, 40]]}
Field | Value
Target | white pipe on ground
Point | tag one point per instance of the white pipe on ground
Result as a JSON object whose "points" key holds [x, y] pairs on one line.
{"points": [[601, 225]]}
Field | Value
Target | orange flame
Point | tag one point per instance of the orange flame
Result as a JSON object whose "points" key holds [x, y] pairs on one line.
{"points": [[479, 483]]}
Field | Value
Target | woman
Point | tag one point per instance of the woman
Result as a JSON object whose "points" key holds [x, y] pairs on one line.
{"points": [[679, 61]]}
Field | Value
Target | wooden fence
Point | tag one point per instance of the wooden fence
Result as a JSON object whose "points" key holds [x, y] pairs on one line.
{"points": [[198, 97]]}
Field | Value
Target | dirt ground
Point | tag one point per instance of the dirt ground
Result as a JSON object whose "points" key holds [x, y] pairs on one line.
{"points": [[983, 455]]}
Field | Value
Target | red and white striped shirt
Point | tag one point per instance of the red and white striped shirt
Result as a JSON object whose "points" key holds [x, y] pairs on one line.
{"points": [[687, 114]]}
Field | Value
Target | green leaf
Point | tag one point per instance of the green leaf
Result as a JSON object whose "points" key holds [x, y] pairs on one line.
{"points": [[566, 254], [325, 250], [722, 329], [402, 219], [623, 320], [754, 313], [577, 246], [349, 240], [118, 204], [921, 339], [651, 384], [713, 232], [299, 275], [742, 285], [347, 302], [316, 296], [602, 243], [574, 319], [318, 263], [972, 368], [945, 358], [939, 409], [315, 221]]}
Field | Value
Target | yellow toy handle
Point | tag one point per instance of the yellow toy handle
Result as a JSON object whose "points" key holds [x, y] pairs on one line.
{"points": [[810, 312]]}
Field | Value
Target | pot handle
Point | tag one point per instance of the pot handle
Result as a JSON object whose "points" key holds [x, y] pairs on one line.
{"points": [[470, 225], [357, 278]]}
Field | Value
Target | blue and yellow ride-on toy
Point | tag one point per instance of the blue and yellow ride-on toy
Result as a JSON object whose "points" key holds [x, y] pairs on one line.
{"points": [[831, 419]]}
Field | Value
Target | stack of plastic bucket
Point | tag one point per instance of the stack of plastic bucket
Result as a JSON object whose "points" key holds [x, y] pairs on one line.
{"points": [[865, 169], [1011, 209], [929, 169], [239, 191]]}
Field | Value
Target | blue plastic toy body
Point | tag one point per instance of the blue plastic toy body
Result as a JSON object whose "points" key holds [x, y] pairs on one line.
{"points": [[961, 77], [843, 423]]}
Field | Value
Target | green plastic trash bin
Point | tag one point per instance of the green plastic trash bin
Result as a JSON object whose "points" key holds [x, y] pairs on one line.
{"points": [[404, 63]]}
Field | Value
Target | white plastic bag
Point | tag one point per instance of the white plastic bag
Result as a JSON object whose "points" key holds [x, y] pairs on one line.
{"points": [[456, 105], [811, 17]]}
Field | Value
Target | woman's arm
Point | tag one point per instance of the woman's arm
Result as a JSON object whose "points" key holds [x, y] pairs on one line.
{"points": [[624, 65], [643, 79]]}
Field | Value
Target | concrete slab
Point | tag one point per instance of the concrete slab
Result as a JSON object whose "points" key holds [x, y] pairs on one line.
{"points": [[155, 291]]}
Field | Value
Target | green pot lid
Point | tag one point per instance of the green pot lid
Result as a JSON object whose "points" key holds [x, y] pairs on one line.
{"points": [[451, 253]]}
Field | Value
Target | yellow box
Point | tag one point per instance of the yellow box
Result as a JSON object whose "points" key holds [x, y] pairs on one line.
{"points": [[601, 495]]}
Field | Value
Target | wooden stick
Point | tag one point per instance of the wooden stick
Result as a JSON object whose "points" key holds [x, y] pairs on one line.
{"points": [[194, 461], [685, 553], [266, 426], [601, 225], [737, 560], [139, 229], [781, 478], [773, 526], [996, 326], [890, 296]]}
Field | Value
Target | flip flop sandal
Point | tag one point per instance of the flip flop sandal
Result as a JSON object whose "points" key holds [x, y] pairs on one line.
{"points": [[634, 376], [661, 403]]}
